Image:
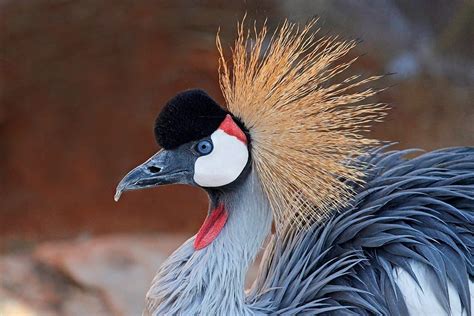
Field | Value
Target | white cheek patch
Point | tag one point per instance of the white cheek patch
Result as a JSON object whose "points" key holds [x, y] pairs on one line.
{"points": [[224, 164]]}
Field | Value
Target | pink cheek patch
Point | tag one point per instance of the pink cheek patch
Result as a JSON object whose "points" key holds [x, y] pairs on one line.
{"points": [[232, 129]]}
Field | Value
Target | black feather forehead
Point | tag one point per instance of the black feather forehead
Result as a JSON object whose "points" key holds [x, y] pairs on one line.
{"points": [[188, 116]]}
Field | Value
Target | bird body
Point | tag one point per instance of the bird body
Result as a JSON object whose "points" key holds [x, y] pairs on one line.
{"points": [[404, 248], [359, 229]]}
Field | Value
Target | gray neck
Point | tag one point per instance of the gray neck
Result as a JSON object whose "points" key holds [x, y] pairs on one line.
{"points": [[211, 281]]}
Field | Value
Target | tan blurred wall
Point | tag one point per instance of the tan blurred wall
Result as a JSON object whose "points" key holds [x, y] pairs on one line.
{"points": [[82, 81]]}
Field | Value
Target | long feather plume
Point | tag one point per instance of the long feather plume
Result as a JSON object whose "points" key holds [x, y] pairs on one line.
{"points": [[305, 130]]}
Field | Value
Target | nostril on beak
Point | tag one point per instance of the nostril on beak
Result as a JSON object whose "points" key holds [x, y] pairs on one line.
{"points": [[154, 169]]}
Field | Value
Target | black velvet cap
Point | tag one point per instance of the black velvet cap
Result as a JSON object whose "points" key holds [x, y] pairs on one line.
{"points": [[190, 115]]}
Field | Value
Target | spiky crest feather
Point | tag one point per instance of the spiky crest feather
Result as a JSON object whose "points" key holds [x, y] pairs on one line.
{"points": [[304, 129]]}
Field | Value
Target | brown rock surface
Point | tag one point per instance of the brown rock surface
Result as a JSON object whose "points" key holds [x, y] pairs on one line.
{"points": [[101, 276]]}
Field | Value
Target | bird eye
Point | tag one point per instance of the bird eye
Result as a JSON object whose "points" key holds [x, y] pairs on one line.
{"points": [[204, 147]]}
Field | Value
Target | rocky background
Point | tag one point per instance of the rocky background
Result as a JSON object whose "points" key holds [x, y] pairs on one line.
{"points": [[82, 81]]}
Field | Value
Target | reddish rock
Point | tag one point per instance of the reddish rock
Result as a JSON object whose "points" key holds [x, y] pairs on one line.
{"points": [[98, 276], [117, 268]]}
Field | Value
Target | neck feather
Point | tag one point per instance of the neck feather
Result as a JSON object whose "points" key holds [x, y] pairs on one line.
{"points": [[207, 280]]}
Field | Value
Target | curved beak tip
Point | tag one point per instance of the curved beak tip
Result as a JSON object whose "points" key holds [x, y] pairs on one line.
{"points": [[118, 192], [117, 195]]}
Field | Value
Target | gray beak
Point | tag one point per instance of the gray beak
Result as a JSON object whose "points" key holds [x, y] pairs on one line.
{"points": [[165, 167]]}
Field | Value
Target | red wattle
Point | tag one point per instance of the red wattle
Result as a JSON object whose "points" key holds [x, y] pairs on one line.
{"points": [[211, 227], [231, 128]]}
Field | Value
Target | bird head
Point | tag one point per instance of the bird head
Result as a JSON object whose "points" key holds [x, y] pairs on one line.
{"points": [[202, 144], [289, 117]]}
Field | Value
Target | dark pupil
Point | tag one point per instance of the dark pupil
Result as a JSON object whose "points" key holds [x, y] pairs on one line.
{"points": [[204, 147]]}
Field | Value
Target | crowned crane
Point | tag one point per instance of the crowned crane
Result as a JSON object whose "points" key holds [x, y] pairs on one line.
{"points": [[359, 228]]}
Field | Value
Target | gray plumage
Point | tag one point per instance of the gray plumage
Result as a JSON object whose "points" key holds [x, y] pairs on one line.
{"points": [[410, 210], [419, 211]]}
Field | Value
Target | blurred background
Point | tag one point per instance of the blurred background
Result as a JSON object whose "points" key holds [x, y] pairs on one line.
{"points": [[81, 83]]}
